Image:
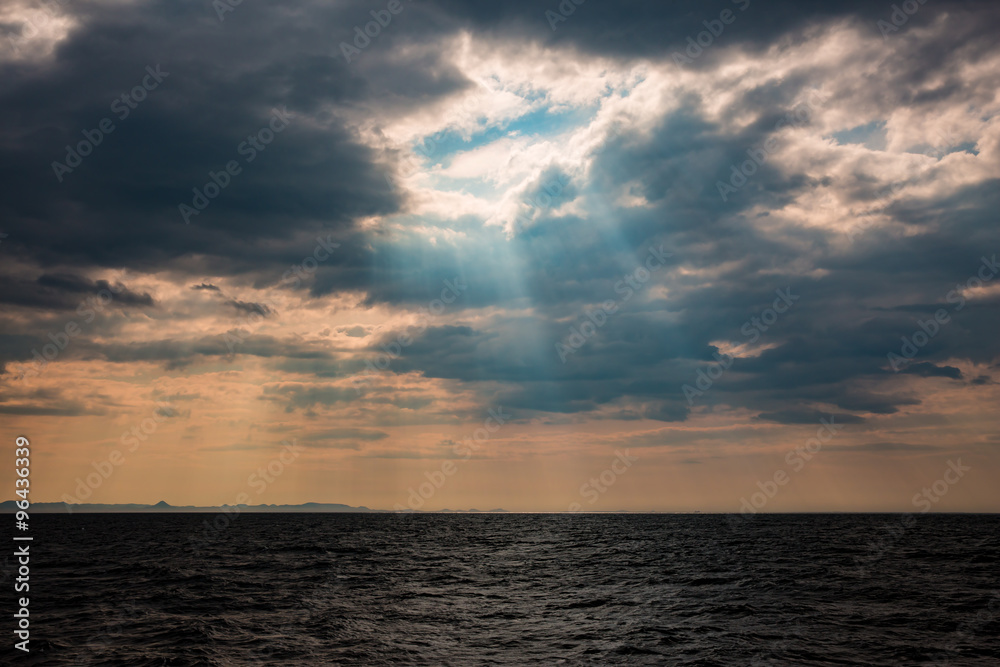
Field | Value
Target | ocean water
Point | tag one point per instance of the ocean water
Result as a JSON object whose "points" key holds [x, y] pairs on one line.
{"points": [[514, 589]]}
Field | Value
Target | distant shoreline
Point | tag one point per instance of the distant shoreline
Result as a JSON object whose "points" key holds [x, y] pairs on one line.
{"points": [[164, 508], [335, 508]]}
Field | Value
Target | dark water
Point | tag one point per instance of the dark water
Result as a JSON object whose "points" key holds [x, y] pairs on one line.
{"points": [[369, 589]]}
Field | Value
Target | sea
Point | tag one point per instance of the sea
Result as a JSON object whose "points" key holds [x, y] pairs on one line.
{"points": [[511, 589]]}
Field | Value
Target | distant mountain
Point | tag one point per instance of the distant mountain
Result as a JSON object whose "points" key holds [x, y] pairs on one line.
{"points": [[163, 506]]}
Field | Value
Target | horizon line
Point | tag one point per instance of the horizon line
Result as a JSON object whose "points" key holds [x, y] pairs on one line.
{"points": [[178, 509]]}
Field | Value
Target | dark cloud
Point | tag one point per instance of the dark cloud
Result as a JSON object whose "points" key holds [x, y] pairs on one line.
{"points": [[65, 409], [219, 87], [793, 416], [354, 332], [312, 397], [926, 369], [238, 447], [323, 174], [360, 434], [881, 447], [66, 291], [249, 307]]}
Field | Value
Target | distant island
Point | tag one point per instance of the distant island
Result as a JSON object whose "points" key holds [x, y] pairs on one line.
{"points": [[163, 507]]}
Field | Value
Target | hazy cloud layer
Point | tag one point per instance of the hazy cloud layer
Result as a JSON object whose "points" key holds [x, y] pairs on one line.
{"points": [[585, 220]]}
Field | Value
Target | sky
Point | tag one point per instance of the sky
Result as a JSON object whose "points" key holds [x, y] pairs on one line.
{"points": [[540, 256]]}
